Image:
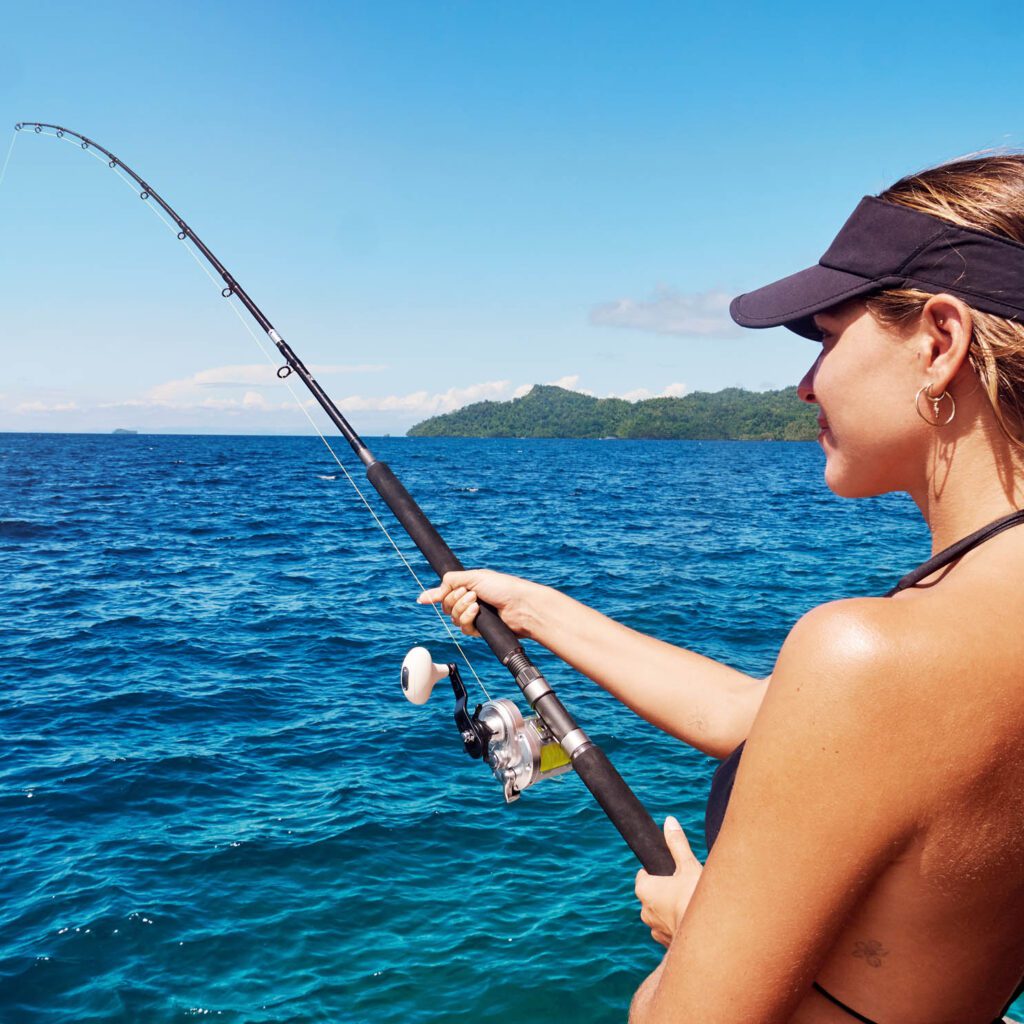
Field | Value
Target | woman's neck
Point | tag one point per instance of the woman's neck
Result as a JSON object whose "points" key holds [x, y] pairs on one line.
{"points": [[971, 481]]}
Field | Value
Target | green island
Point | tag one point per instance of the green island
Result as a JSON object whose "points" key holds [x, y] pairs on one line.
{"points": [[548, 411]]}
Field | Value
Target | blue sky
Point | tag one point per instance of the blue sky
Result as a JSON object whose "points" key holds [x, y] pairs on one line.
{"points": [[441, 202]]}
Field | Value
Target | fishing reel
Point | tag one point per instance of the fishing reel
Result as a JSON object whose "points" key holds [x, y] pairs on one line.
{"points": [[521, 751]]}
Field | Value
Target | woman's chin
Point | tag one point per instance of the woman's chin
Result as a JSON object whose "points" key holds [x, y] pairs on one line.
{"points": [[846, 482]]}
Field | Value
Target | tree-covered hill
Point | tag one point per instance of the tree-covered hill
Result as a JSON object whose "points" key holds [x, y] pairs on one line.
{"points": [[548, 411]]}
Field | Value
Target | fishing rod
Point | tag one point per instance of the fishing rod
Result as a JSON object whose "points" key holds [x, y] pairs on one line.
{"points": [[521, 751]]}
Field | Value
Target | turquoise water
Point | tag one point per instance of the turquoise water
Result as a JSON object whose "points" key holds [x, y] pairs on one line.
{"points": [[216, 802]]}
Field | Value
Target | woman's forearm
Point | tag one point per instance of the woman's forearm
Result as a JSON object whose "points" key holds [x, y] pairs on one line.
{"points": [[702, 702]]}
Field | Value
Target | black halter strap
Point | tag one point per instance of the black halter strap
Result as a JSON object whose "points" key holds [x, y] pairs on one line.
{"points": [[842, 1006], [955, 551]]}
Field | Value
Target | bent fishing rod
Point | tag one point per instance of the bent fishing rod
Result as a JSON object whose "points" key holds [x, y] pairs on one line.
{"points": [[520, 751]]}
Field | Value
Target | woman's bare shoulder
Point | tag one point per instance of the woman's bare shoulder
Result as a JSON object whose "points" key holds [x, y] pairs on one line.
{"points": [[894, 678], [846, 650]]}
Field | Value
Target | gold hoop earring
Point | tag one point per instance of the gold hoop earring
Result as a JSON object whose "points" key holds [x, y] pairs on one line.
{"points": [[936, 402]]}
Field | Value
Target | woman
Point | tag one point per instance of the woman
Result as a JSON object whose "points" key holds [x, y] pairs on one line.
{"points": [[870, 864]]}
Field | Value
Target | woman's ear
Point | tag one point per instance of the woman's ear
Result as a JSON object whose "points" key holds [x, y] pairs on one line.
{"points": [[946, 329]]}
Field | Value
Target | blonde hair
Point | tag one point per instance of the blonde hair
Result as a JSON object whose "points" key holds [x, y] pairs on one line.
{"points": [[985, 193]]}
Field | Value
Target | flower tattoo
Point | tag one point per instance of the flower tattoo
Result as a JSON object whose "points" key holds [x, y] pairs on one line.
{"points": [[872, 951]]}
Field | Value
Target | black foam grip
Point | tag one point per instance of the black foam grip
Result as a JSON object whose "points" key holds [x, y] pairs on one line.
{"points": [[501, 640], [625, 811]]}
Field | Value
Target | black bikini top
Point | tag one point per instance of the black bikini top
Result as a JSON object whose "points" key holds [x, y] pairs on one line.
{"points": [[725, 774]]}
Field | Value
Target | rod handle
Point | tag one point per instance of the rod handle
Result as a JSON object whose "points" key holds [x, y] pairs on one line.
{"points": [[625, 811], [501, 640]]}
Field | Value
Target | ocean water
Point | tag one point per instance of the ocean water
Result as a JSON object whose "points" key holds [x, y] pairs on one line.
{"points": [[216, 802]]}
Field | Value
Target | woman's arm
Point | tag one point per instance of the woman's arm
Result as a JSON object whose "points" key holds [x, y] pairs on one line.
{"points": [[702, 702], [823, 802]]}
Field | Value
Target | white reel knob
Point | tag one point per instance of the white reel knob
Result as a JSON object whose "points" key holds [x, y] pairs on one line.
{"points": [[420, 674]]}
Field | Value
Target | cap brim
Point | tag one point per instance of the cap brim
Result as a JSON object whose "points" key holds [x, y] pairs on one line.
{"points": [[793, 301]]}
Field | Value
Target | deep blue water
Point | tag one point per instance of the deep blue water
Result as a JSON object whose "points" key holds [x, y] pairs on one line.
{"points": [[215, 800]]}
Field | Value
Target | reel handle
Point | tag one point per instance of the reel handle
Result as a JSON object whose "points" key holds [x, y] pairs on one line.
{"points": [[420, 674]]}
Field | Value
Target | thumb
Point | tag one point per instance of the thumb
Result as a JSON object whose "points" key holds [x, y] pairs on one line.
{"points": [[678, 844]]}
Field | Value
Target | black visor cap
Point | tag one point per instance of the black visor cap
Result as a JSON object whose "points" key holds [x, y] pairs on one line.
{"points": [[883, 246]]}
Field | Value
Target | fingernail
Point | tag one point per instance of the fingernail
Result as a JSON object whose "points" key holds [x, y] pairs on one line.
{"points": [[670, 822]]}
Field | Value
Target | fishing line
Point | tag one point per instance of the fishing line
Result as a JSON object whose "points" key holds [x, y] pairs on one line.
{"points": [[274, 365], [7, 160]]}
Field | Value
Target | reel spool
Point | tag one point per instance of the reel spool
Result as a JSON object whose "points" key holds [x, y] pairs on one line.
{"points": [[520, 751]]}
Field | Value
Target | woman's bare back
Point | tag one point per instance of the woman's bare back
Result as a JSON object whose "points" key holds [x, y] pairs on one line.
{"points": [[940, 935]]}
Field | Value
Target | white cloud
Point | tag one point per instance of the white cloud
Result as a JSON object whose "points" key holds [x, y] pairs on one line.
{"points": [[636, 395], [676, 390], [246, 374], [669, 311], [188, 390], [46, 407], [191, 396], [424, 403], [251, 400], [570, 382]]}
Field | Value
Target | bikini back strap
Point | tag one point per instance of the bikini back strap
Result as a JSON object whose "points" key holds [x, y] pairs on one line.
{"points": [[842, 1006], [955, 551]]}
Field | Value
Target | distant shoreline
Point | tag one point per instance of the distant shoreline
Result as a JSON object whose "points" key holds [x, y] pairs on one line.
{"points": [[547, 411]]}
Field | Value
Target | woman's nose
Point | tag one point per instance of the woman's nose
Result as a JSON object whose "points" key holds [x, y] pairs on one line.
{"points": [[805, 389]]}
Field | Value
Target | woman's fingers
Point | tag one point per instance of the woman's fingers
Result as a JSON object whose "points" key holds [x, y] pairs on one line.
{"points": [[462, 603], [456, 600], [464, 613], [433, 594], [658, 931], [450, 582], [451, 599], [467, 626]]}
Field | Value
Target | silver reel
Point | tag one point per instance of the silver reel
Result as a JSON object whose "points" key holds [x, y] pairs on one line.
{"points": [[520, 751]]}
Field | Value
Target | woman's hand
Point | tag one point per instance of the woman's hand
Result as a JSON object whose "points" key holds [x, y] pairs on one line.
{"points": [[460, 593], [664, 899]]}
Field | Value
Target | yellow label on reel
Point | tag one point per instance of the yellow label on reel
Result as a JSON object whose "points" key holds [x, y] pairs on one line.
{"points": [[553, 756]]}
